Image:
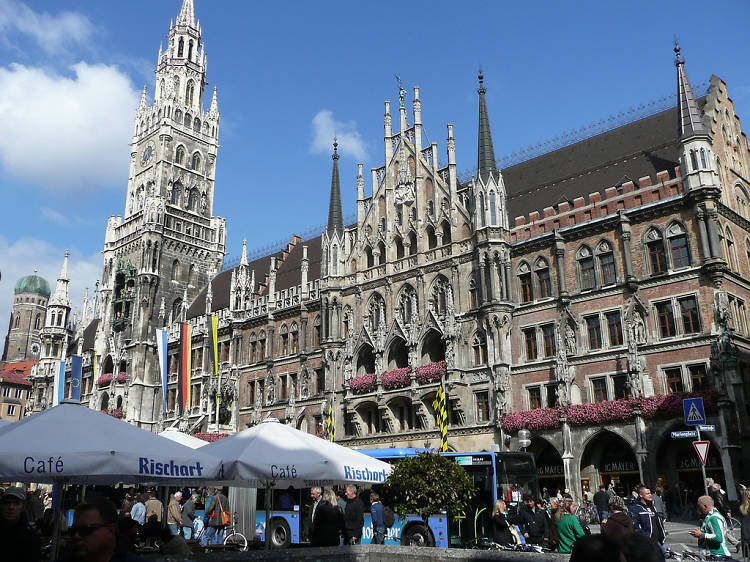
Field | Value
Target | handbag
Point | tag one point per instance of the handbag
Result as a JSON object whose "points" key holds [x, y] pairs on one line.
{"points": [[226, 518]]}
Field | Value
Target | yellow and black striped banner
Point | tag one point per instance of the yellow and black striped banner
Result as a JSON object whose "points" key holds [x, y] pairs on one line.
{"points": [[441, 417], [330, 422]]}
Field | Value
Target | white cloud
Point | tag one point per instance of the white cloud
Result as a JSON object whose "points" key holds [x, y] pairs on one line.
{"points": [[66, 133], [51, 32], [350, 139], [27, 254], [54, 216]]}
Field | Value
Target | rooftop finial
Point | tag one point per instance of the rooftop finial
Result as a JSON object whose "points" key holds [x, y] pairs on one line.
{"points": [[678, 57], [690, 121], [187, 14], [481, 81], [401, 92], [335, 148]]}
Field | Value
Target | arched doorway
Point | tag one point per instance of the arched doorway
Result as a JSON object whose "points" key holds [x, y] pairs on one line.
{"points": [[549, 465], [398, 354], [365, 360], [608, 458], [104, 404], [108, 365], [433, 348]]}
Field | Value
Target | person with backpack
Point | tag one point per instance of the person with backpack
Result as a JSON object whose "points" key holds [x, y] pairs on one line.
{"points": [[378, 524]]}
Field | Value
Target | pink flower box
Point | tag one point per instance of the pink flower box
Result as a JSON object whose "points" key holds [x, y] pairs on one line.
{"points": [[211, 437], [122, 376], [397, 378], [116, 413], [363, 383], [432, 372], [104, 380]]}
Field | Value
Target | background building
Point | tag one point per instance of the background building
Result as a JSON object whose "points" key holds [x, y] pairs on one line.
{"points": [[30, 297], [15, 389]]}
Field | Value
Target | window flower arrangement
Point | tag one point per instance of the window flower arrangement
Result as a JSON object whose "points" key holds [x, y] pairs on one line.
{"points": [[397, 378], [104, 380], [211, 437], [122, 376], [431, 372], [362, 383], [116, 413], [537, 419]]}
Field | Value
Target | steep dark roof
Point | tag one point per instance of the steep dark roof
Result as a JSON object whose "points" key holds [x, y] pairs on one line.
{"points": [[335, 215], [630, 152], [288, 275], [89, 334], [486, 164]]}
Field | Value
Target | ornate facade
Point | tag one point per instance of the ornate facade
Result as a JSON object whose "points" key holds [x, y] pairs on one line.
{"points": [[582, 292]]}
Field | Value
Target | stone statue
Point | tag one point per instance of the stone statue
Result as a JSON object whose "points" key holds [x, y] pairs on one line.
{"points": [[270, 390], [639, 328], [204, 203], [401, 92], [570, 340], [305, 384]]}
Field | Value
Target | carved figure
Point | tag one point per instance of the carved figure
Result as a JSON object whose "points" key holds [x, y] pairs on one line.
{"points": [[639, 328], [570, 340]]}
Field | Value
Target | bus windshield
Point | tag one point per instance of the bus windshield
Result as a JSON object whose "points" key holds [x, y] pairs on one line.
{"points": [[516, 476]]}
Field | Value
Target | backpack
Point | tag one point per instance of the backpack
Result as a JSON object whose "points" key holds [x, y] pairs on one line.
{"points": [[388, 517]]}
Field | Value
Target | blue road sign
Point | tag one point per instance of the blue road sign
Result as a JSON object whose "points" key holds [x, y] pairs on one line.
{"points": [[694, 412]]}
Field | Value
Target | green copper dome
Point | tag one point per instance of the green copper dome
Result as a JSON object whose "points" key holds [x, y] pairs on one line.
{"points": [[32, 284]]}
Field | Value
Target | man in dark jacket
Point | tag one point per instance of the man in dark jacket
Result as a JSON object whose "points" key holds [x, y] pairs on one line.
{"points": [[645, 519], [19, 541], [354, 516], [188, 516], [720, 499], [601, 502], [215, 530], [534, 521]]}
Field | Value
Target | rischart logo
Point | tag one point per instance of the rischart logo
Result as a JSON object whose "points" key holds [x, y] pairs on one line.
{"points": [[171, 468], [364, 474]]}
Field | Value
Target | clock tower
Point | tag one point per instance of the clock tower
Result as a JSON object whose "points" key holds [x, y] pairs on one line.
{"points": [[166, 246]]}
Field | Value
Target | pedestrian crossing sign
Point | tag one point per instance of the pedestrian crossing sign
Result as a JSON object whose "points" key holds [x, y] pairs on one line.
{"points": [[694, 411]]}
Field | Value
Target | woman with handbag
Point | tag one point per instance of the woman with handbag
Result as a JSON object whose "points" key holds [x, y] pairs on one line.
{"points": [[219, 517]]}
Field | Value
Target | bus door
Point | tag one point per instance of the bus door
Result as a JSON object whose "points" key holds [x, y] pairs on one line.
{"points": [[477, 520]]}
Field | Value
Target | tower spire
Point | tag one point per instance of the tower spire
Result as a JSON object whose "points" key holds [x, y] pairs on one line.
{"points": [[187, 14], [335, 216], [61, 296], [689, 122], [486, 164], [243, 259]]}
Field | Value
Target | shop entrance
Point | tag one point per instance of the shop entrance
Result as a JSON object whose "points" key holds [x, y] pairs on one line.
{"points": [[608, 458], [549, 466]]}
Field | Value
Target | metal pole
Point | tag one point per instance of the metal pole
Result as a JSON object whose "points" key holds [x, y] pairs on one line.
{"points": [[56, 510], [266, 533], [218, 394], [703, 465]]}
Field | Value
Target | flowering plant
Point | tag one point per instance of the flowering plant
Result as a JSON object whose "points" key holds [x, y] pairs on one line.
{"points": [[535, 420], [211, 437], [122, 376], [431, 372], [397, 378], [116, 413], [362, 383], [104, 380]]}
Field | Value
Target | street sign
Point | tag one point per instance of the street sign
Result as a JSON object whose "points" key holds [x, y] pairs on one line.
{"points": [[684, 434], [706, 428], [701, 447], [694, 412]]}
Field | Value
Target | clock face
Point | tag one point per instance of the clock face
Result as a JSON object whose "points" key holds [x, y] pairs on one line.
{"points": [[34, 348], [147, 154]]}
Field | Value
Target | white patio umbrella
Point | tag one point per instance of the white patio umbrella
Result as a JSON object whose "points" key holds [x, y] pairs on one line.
{"points": [[183, 438], [273, 454]]}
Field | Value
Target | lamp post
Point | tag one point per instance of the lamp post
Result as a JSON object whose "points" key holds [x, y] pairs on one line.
{"points": [[524, 438]]}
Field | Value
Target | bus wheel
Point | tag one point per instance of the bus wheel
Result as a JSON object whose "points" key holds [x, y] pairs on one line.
{"points": [[281, 535], [417, 535]]}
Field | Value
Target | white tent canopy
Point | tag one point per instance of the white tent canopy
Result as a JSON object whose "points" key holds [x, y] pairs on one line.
{"points": [[272, 453], [183, 438], [72, 443]]}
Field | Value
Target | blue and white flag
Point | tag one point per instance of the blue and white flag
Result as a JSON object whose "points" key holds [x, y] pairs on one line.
{"points": [[161, 346], [76, 373], [58, 392]]}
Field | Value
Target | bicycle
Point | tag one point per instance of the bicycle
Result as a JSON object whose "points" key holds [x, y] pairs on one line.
{"points": [[734, 528], [234, 537]]}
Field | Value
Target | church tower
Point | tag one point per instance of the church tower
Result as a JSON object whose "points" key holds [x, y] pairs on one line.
{"points": [[163, 249]]}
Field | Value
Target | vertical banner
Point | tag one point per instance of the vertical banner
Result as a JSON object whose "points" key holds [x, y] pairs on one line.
{"points": [[330, 422], [76, 374], [183, 385], [213, 353], [441, 416], [161, 348], [58, 392], [93, 374]]}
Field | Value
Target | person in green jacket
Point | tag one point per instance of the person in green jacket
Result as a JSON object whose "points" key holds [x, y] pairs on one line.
{"points": [[714, 528], [568, 527]]}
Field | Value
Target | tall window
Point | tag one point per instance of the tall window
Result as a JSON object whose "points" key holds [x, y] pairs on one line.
{"points": [[689, 314], [493, 209], [535, 397], [614, 328], [599, 389], [316, 333], [620, 384], [665, 316], [478, 347], [284, 333], [180, 156], [175, 270], [543, 279], [698, 377], [609, 272], [262, 346], [548, 335], [196, 164], [483, 407], [656, 256], [594, 331], [673, 377], [253, 348], [586, 266], [482, 219], [527, 291], [678, 245], [472, 294], [189, 91], [529, 336], [294, 339], [731, 253]]}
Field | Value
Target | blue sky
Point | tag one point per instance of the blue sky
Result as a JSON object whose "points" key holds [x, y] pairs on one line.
{"points": [[288, 74]]}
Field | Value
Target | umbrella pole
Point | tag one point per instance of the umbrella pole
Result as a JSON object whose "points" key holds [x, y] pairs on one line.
{"points": [[56, 509], [267, 534]]}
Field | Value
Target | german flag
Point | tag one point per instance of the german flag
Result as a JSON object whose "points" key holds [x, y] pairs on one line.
{"points": [[183, 381]]}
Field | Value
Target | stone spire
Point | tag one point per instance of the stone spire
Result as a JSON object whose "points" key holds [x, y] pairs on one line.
{"points": [[144, 99], [335, 216], [486, 166], [187, 14], [243, 259], [213, 110], [61, 296], [689, 123]]}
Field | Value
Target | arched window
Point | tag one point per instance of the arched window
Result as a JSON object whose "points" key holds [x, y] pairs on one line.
{"points": [[439, 295], [284, 340], [261, 346], [407, 304], [381, 253], [493, 209], [180, 48], [191, 274], [479, 349], [375, 312], [176, 193], [742, 200], [176, 308], [412, 243], [525, 283], [316, 332], [197, 125], [188, 120], [607, 264], [53, 318], [179, 157], [586, 268], [253, 347], [189, 91], [175, 270], [190, 51], [294, 339], [678, 245], [431, 238], [703, 159], [193, 199], [657, 258], [369, 257], [399, 247], [446, 232], [543, 280], [196, 163], [335, 260], [16, 321], [482, 219], [473, 300], [178, 115], [37, 322], [730, 250], [694, 159]]}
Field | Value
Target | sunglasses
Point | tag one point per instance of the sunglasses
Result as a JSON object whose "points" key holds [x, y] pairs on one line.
{"points": [[85, 530]]}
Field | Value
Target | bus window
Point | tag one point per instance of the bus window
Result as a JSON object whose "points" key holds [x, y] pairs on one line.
{"points": [[516, 470]]}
